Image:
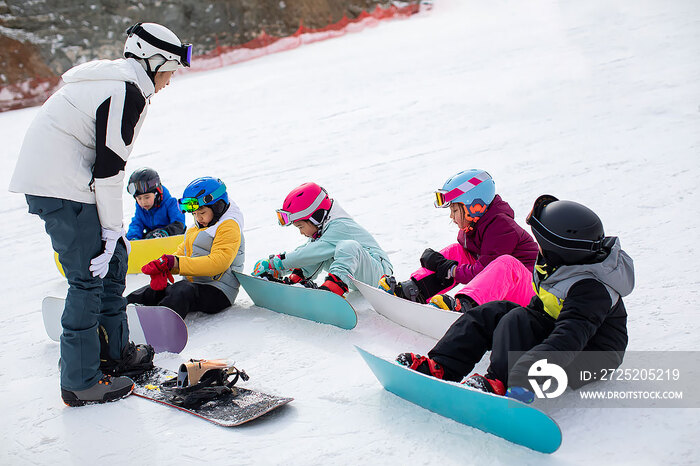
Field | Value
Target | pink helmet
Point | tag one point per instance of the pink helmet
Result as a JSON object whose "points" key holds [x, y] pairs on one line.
{"points": [[306, 202]]}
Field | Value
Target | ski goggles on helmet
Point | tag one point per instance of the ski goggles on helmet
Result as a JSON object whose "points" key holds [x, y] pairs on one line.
{"points": [[142, 187], [184, 51], [444, 198], [191, 204], [540, 203], [186, 54], [285, 218], [533, 219]]}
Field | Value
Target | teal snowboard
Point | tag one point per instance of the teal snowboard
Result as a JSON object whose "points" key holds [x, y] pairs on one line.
{"points": [[497, 415], [308, 303]]}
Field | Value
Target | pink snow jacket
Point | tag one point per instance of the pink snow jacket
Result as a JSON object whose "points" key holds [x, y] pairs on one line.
{"points": [[496, 233]]}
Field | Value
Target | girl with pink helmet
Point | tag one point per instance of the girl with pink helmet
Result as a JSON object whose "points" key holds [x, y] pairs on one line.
{"points": [[337, 244]]}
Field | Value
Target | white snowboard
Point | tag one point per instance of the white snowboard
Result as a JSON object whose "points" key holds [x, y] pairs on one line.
{"points": [[422, 318], [158, 326], [52, 310]]}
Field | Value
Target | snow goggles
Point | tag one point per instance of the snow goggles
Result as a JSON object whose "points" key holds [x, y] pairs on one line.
{"points": [[444, 198], [540, 203], [191, 204], [142, 187], [184, 51], [537, 226], [284, 217]]}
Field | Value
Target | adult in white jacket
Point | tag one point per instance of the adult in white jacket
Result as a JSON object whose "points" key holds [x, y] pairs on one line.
{"points": [[71, 170]]}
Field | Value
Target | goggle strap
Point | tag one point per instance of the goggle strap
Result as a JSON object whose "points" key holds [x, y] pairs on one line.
{"points": [[183, 51], [309, 210], [562, 241], [466, 186], [218, 192]]}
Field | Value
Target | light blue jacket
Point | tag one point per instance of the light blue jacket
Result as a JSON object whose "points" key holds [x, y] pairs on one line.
{"points": [[343, 248]]}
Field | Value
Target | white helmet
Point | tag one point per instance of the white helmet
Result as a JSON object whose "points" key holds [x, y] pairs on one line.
{"points": [[158, 46]]}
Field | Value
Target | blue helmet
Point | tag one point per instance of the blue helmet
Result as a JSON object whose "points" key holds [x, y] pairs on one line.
{"points": [[473, 188], [204, 191]]}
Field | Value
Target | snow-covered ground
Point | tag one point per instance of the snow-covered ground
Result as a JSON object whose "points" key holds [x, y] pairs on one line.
{"points": [[592, 101]]}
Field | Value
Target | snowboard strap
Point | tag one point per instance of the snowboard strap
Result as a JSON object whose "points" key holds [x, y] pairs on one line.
{"points": [[305, 282], [201, 380]]}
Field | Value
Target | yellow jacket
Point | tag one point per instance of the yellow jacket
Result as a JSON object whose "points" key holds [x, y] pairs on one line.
{"points": [[227, 241]]}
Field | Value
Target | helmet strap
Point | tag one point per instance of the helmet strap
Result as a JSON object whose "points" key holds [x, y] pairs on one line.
{"points": [[218, 211], [320, 223], [151, 74], [159, 196]]}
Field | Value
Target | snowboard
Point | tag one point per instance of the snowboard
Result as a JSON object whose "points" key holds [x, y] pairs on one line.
{"points": [[308, 303], [228, 411], [497, 415], [423, 318], [142, 252], [158, 326]]}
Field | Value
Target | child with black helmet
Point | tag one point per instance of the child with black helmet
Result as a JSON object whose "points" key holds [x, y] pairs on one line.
{"points": [[579, 280], [157, 214], [211, 251]]}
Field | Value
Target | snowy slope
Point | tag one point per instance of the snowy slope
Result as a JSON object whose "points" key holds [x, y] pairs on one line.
{"points": [[591, 101]]}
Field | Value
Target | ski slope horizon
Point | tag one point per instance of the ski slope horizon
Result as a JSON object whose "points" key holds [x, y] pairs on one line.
{"points": [[594, 102]]}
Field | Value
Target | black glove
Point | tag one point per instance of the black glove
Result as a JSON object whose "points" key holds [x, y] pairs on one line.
{"points": [[436, 262], [157, 233]]}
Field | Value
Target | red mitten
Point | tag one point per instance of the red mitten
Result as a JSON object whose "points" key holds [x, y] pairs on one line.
{"points": [[159, 270], [160, 281]]}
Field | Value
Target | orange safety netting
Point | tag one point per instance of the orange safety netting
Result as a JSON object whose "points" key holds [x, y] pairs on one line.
{"points": [[36, 91], [265, 44]]}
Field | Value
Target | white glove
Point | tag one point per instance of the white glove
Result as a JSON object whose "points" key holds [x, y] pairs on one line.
{"points": [[100, 264]]}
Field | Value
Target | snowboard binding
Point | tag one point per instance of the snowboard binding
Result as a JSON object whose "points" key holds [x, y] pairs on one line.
{"points": [[199, 381], [305, 282]]}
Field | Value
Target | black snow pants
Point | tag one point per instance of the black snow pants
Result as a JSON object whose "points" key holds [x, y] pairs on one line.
{"points": [[182, 297], [497, 326]]}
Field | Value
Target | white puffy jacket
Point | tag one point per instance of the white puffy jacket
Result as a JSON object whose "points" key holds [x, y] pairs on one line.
{"points": [[77, 146]]}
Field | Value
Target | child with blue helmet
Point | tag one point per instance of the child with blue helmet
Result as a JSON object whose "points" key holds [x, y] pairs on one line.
{"points": [[212, 250], [157, 214], [493, 257]]}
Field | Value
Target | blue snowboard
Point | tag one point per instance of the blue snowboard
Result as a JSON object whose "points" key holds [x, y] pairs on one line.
{"points": [[497, 415], [317, 305]]}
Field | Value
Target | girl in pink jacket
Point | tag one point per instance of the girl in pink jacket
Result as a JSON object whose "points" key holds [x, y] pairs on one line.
{"points": [[493, 257]]}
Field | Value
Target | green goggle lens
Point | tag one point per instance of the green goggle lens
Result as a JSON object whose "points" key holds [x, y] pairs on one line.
{"points": [[189, 204]]}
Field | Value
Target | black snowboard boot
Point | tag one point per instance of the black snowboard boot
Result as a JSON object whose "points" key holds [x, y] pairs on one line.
{"points": [[407, 290], [106, 389], [134, 361]]}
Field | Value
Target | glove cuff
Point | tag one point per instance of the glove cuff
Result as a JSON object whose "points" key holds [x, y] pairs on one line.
{"points": [[111, 234]]}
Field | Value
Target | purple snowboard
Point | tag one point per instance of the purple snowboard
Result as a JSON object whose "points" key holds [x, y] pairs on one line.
{"points": [[162, 328]]}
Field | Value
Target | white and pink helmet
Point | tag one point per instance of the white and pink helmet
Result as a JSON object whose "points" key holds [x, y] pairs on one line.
{"points": [[306, 202]]}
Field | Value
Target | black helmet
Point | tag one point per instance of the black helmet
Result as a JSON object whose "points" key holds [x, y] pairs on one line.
{"points": [[568, 232], [145, 180]]}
